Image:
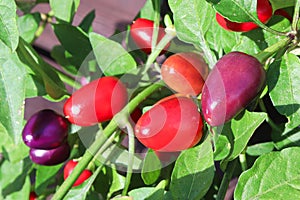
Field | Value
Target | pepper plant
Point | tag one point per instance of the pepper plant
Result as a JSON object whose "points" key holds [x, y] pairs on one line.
{"points": [[215, 88]]}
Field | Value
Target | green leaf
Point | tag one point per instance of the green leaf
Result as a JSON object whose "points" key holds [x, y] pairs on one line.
{"points": [[251, 43], [168, 196], [9, 34], [237, 10], [193, 172], [242, 130], [87, 21], [283, 78], [75, 41], [255, 41], [45, 175], [112, 58], [158, 192], [277, 4], [259, 149], [28, 25], [147, 11], [26, 6], [13, 177], [64, 10], [276, 174], [222, 148], [61, 56], [122, 198], [34, 86], [6, 140], [16, 152], [92, 195], [141, 193], [286, 138], [109, 181], [191, 24], [20, 193], [117, 183], [151, 168], [149, 193], [219, 38], [12, 92], [278, 23], [36, 65]]}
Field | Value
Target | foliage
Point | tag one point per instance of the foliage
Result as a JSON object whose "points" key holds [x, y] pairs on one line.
{"points": [[260, 146]]}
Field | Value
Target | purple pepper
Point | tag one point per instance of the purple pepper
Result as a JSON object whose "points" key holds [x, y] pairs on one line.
{"points": [[45, 130], [50, 157], [236, 79]]}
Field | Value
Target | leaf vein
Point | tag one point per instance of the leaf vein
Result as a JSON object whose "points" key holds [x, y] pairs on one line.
{"points": [[287, 182]]}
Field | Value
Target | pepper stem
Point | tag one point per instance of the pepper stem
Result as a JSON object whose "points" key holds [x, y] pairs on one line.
{"points": [[271, 50], [131, 150]]}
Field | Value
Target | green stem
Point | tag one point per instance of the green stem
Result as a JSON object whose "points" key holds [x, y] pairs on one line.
{"points": [[296, 16], [67, 79], [130, 158], [262, 25], [41, 27], [226, 179], [170, 34], [99, 142], [46, 18], [167, 20], [156, 5], [243, 160], [106, 145], [271, 50], [265, 27]]}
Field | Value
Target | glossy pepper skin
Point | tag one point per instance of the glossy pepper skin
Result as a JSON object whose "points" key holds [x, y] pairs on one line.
{"points": [[50, 157], [83, 176], [236, 79], [185, 72], [45, 130], [141, 32], [96, 102], [173, 124], [264, 13], [32, 196]]}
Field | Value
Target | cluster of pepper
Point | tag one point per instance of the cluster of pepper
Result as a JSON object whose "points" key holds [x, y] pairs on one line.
{"points": [[46, 134], [172, 124]]}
